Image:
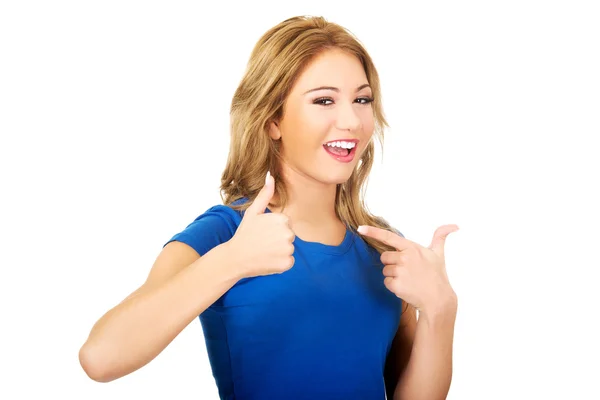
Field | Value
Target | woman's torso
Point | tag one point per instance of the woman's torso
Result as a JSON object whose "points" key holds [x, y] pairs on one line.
{"points": [[322, 329]]}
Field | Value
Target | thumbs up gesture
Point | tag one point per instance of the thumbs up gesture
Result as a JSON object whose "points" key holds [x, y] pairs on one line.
{"points": [[414, 273], [263, 241]]}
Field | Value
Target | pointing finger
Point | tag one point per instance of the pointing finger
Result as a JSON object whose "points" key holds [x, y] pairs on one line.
{"points": [[385, 236]]}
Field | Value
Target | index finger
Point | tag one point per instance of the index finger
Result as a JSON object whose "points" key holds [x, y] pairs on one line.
{"points": [[385, 236]]}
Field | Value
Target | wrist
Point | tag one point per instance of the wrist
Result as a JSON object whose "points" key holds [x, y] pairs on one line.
{"points": [[230, 261], [443, 309]]}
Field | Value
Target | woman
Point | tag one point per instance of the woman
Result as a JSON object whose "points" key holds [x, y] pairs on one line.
{"points": [[298, 287]]}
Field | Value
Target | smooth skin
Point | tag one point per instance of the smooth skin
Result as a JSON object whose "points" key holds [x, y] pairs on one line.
{"points": [[181, 284], [418, 276], [330, 101]]}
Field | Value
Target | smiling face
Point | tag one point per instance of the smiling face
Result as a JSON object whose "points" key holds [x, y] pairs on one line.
{"points": [[328, 119]]}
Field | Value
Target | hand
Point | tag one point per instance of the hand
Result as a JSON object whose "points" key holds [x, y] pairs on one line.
{"points": [[263, 243], [414, 273]]}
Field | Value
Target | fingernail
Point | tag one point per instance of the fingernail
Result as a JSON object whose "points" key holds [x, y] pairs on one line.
{"points": [[267, 178], [361, 229]]}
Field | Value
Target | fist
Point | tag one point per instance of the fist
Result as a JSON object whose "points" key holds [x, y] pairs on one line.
{"points": [[264, 241]]}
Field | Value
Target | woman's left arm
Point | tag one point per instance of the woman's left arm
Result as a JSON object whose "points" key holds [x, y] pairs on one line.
{"points": [[426, 373], [420, 362]]}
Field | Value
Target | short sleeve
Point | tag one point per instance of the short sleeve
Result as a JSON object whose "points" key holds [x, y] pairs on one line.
{"points": [[215, 226]]}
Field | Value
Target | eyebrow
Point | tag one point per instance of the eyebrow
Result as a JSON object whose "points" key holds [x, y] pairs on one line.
{"points": [[335, 89]]}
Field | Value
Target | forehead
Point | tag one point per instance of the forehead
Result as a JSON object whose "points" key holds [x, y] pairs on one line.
{"points": [[332, 68]]}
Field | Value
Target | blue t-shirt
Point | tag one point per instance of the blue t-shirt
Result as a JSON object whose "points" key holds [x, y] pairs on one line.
{"points": [[321, 330]]}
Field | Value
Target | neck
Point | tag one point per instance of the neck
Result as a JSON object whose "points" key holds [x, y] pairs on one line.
{"points": [[308, 200]]}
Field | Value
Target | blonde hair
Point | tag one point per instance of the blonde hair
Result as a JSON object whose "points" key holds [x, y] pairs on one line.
{"points": [[276, 61]]}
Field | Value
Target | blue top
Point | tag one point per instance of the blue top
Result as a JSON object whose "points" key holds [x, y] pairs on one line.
{"points": [[321, 330]]}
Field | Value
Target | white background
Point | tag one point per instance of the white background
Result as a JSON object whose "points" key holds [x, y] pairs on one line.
{"points": [[114, 122]]}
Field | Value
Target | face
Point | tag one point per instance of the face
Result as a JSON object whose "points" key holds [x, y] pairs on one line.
{"points": [[328, 119]]}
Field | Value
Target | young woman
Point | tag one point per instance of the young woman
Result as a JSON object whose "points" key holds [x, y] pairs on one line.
{"points": [[298, 287]]}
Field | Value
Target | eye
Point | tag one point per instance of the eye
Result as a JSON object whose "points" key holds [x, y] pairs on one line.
{"points": [[323, 101], [365, 100]]}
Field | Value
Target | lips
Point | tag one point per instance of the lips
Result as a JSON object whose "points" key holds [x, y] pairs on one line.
{"points": [[342, 150]]}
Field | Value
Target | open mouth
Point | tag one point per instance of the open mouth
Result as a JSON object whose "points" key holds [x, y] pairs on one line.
{"points": [[342, 150]]}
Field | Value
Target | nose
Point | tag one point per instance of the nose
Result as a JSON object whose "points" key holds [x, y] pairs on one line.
{"points": [[347, 118]]}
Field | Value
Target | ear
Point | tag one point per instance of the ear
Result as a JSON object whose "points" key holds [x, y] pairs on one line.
{"points": [[274, 131]]}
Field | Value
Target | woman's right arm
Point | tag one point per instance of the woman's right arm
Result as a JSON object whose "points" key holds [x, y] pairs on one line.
{"points": [[180, 286]]}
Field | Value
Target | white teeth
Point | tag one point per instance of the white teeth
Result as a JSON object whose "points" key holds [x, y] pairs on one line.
{"points": [[342, 144]]}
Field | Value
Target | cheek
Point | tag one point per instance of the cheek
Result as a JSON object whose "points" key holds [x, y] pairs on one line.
{"points": [[368, 127], [308, 129], [368, 123], [317, 119]]}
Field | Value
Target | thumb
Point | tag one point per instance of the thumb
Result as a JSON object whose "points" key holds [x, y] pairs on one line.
{"points": [[439, 238], [263, 197]]}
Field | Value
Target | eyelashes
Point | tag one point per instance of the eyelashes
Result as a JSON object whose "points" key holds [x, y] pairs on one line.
{"points": [[362, 100]]}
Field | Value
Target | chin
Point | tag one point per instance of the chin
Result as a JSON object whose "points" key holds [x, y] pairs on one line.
{"points": [[337, 178]]}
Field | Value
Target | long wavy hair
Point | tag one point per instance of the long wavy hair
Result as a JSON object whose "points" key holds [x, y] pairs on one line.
{"points": [[275, 63]]}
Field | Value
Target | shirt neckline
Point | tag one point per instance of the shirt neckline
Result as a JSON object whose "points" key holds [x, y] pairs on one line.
{"points": [[319, 247]]}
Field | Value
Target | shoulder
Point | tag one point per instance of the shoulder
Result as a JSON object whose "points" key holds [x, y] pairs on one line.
{"points": [[221, 215], [376, 248], [386, 225], [214, 226]]}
